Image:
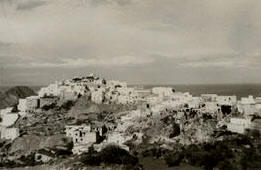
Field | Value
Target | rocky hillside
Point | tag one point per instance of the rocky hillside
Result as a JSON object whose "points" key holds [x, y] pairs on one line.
{"points": [[84, 109], [12, 95]]}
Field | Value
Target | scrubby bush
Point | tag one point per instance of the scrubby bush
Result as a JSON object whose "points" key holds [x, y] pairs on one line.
{"points": [[92, 159], [251, 159], [28, 160], [176, 130], [173, 159], [110, 155], [207, 156], [49, 107], [226, 165], [152, 151], [254, 133], [115, 155], [67, 105], [226, 109]]}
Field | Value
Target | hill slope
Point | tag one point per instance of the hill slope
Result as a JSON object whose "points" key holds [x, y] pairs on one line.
{"points": [[12, 95]]}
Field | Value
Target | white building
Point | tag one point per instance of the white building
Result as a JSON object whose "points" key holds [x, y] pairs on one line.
{"points": [[163, 91], [258, 100], [153, 100], [9, 133], [5, 111], [79, 149], [211, 107], [97, 96], [194, 103], [183, 97], [9, 119], [29, 103], [258, 105], [238, 125], [209, 97], [116, 84], [111, 96], [32, 102], [81, 134], [247, 106], [22, 105], [247, 100], [227, 100], [132, 115], [51, 90], [68, 95]]}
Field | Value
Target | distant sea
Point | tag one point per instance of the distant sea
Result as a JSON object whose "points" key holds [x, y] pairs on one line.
{"points": [[240, 90]]}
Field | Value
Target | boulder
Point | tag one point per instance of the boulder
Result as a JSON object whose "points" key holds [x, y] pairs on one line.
{"points": [[58, 143], [83, 107], [29, 144], [26, 144]]}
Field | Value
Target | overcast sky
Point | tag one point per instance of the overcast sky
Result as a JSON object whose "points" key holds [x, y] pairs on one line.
{"points": [[138, 41]]}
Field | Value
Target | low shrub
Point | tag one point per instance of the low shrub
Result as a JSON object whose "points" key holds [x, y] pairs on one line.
{"points": [[115, 155], [110, 155], [92, 159], [173, 159]]}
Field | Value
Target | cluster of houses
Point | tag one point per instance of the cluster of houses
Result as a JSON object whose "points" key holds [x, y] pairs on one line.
{"points": [[246, 108], [99, 90], [96, 134], [152, 101], [161, 98], [250, 109], [209, 103]]}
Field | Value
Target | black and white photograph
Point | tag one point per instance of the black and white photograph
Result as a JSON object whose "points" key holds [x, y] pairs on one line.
{"points": [[130, 85]]}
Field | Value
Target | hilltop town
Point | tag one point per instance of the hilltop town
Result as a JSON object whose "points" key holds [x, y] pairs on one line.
{"points": [[85, 115]]}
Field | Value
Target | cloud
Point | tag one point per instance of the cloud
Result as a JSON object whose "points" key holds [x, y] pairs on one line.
{"points": [[106, 2], [119, 61], [9, 61], [113, 61], [163, 36], [3, 44], [250, 61], [212, 64], [29, 5]]}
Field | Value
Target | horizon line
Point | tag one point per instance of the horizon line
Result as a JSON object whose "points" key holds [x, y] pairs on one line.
{"points": [[143, 84]]}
